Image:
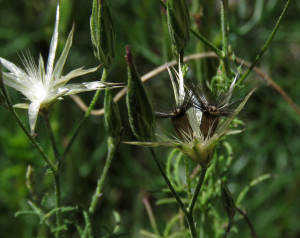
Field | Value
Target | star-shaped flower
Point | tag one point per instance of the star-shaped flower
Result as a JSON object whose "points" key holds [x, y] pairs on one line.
{"points": [[43, 87]]}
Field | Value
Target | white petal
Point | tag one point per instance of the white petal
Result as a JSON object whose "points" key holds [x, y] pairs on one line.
{"points": [[53, 47], [11, 81], [41, 69], [32, 114], [55, 94], [22, 105], [181, 83], [62, 59], [19, 73], [174, 85], [79, 88], [74, 73]]}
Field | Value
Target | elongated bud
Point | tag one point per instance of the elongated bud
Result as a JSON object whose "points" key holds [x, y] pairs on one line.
{"points": [[112, 120], [102, 33], [178, 18], [227, 201], [141, 114]]}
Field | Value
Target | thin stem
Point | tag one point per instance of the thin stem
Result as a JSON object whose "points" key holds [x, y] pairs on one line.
{"points": [[183, 208], [57, 204], [253, 233], [263, 50], [224, 27], [87, 114], [197, 190], [151, 216], [24, 129], [163, 173], [112, 145], [230, 224], [88, 226], [51, 135], [187, 175], [218, 52]]}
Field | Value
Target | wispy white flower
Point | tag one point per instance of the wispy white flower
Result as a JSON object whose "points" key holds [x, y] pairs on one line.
{"points": [[203, 121], [43, 87]]}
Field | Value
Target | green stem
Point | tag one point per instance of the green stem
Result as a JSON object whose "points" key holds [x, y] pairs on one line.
{"points": [[180, 203], [183, 208], [24, 129], [56, 176], [224, 27], [187, 175], [218, 52], [112, 145], [263, 50], [87, 114], [230, 224], [197, 190], [57, 204], [88, 227], [51, 135]]}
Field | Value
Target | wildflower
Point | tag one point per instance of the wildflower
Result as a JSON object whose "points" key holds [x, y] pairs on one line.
{"points": [[42, 87], [200, 125]]}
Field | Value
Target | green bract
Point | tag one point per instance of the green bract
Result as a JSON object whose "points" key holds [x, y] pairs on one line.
{"points": [[112, 120], [178, 18], [141, 115], [102, 33]]}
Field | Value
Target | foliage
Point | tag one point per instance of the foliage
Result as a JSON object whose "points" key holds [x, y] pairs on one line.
{"points": [[260, 164]]}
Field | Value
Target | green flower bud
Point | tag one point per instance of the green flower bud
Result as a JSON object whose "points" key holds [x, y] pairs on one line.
{"points": [[102, 33], [227, 201], [178, 18], [141, 114], [112, 120]]}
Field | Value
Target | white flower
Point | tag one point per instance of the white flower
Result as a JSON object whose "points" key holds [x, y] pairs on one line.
{"points": [[197, 119], [42, 87]]}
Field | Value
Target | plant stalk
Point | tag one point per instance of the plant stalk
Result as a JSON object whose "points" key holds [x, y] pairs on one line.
{"points": [[224, 27], [112, 145]]}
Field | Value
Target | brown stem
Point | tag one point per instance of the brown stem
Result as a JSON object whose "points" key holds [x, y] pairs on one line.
{"points": [[253, 233]]}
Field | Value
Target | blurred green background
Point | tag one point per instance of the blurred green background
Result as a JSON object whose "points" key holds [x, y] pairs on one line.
{"points": [[271, 143]]}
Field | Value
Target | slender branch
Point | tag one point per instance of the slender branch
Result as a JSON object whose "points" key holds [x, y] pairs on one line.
{"points": [[151, 216], [197, 190], [263, 50], [57, 205], [88, 227], [87, 114], [224, 27], [218, 52], [230, 224], [163, 173], [112, 145], [253, 233], [51, 135], [272, 83]]}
